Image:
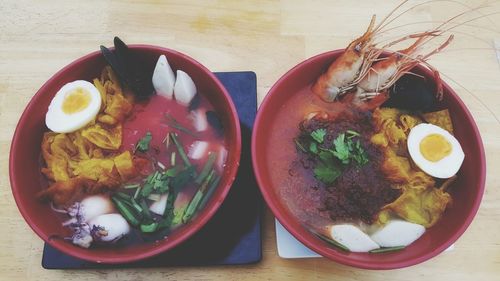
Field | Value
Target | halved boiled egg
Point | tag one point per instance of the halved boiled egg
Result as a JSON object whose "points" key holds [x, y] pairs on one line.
{"points": [[74, 106], [435, 150]]}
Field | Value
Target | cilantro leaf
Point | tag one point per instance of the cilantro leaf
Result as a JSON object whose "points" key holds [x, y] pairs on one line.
{"points": [[143, 144], [326, 173], [326, 155], [341, 149], [360, 155], [313, 147], [318, 135]]}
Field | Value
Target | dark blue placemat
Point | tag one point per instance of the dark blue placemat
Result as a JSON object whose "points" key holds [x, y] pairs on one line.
{"points": [[233, 235]]}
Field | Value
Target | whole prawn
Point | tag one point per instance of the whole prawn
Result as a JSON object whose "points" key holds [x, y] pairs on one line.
{"points": [[361, 79], [384, 73], [347, 70]]}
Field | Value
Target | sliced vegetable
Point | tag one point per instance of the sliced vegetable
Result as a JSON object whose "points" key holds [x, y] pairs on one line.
{"points": [[194, 203], [143, 144], [210, 191], [207, 168], [180, 149], [126, 212]]}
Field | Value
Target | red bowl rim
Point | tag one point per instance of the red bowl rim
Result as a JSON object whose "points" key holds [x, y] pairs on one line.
{"points": [[267, 192], [162, 246]]}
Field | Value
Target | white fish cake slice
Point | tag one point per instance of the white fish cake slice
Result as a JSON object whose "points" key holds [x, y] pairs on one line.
{"points": [[163, 78], [353, 238], [398, 233], [184, 88]]}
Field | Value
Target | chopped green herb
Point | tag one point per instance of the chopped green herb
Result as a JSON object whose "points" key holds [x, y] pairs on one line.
{"points": [[359, 154], [147, 188], [341, 149], [318, 135], [326, 173], [326, 155], [131, 186], [331, 160], [313, 147], [143, 144]]}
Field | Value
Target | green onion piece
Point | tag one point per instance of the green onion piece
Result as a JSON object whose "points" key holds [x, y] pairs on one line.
{"points": [[333, 242], [175, 124], [131, 186], [182, 153], [145, 210], [136, 206], [210, 191], [122, 196], [166, 140], [168, 214], [206, 169], [127, 213], [137, 192], [147, 188], [148, 228], [154, 197], [192, 207], [386, 249], [207, 180], [154, 177], [195, 202], [172, 159]]}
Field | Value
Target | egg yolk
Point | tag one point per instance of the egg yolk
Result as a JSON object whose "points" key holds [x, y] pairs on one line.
{"points": [[435, 147], [76, 101]]}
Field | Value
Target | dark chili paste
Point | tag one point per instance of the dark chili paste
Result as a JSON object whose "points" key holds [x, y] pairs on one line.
{"points": [[360, 191]]}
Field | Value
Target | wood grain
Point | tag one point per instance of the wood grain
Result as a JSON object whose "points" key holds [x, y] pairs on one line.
{"points": [[37, 38]]}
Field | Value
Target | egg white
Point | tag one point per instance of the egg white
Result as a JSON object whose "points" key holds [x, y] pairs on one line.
{"points": [[59, 121], [444, 168]]}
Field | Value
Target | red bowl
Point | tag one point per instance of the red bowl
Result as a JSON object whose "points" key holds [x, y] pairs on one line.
{"points": [[467, 191], [24, 163]]}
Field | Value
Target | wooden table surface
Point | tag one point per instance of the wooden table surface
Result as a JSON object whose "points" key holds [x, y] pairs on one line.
{"points": [[37, 38]]}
